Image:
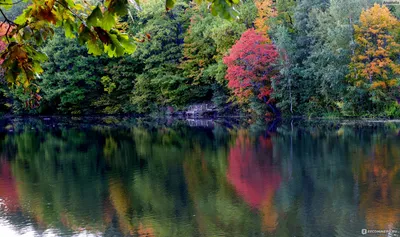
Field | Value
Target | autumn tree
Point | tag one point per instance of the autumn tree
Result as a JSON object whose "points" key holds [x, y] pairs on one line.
{"points": [[4, 91], [3, 45], [206, 42], [265, 12], [251, 68], [373, 65]]}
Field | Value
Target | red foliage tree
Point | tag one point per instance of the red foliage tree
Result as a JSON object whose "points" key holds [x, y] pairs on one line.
{"points": [[3, 45], [251, 67]]}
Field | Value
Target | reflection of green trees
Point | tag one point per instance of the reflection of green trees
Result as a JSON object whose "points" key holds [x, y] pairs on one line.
{"points": [[172, 180], [131, 180], [318, 195], [324, 165], [58, 178]]}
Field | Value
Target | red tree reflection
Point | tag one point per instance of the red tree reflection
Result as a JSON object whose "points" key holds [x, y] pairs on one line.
{"points": [[8, 191], [254, 176]]}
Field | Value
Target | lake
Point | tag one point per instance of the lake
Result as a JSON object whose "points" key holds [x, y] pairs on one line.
{"points": [[136, 177]]}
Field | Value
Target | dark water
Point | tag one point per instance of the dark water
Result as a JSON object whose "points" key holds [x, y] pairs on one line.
{"points": [[125, 177]]}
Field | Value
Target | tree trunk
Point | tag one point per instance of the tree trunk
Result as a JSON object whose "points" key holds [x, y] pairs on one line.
{"points": [[275, 110]]}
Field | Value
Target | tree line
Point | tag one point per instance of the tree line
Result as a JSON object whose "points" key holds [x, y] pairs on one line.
{"points": [[267, 58]]}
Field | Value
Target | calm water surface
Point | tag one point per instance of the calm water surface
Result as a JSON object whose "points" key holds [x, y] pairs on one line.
{"points": [[125, 177]]}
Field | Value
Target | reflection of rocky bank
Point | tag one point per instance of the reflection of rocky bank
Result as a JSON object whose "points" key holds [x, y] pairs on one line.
{"points": [[254, 176]]}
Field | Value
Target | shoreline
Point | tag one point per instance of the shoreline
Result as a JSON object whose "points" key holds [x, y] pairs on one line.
{"points": [[227, 117]]}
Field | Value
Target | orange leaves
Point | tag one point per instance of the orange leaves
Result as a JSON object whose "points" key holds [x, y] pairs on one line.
{"points": [[374, 61], [392, 83], [45, 11], [265, 12], [377, 84], [21, 63], [148, 36], [5, 29], [377, 18], [34, 101], [19, 54], [362, 57]]}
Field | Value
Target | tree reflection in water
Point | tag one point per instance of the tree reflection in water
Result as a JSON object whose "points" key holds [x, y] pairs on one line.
{"points": [[252, 172], [125, 177]]}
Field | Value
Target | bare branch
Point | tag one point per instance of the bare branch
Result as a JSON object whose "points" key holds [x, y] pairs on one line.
{"points": [[5, 17], [9, 22]]}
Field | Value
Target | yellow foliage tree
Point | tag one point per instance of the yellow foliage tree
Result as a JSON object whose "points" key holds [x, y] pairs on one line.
{"points": [[265, 12], [373, 64]]}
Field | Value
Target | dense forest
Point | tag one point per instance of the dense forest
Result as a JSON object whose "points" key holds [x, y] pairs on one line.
{"points": [[321, 58]]}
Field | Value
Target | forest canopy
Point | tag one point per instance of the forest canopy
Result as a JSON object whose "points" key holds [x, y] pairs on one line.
{"points": [[260, 58]]}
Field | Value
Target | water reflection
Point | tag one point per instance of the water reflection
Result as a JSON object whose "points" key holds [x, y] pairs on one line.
{"points": [[124, 177], [254, 175]]}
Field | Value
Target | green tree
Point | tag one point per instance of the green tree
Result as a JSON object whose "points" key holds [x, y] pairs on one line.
{"points": [[327, 63], [118, 82], [295, 89], [160, 55], [69, 82], [74, 84], [285, 86], [96, 24]]}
